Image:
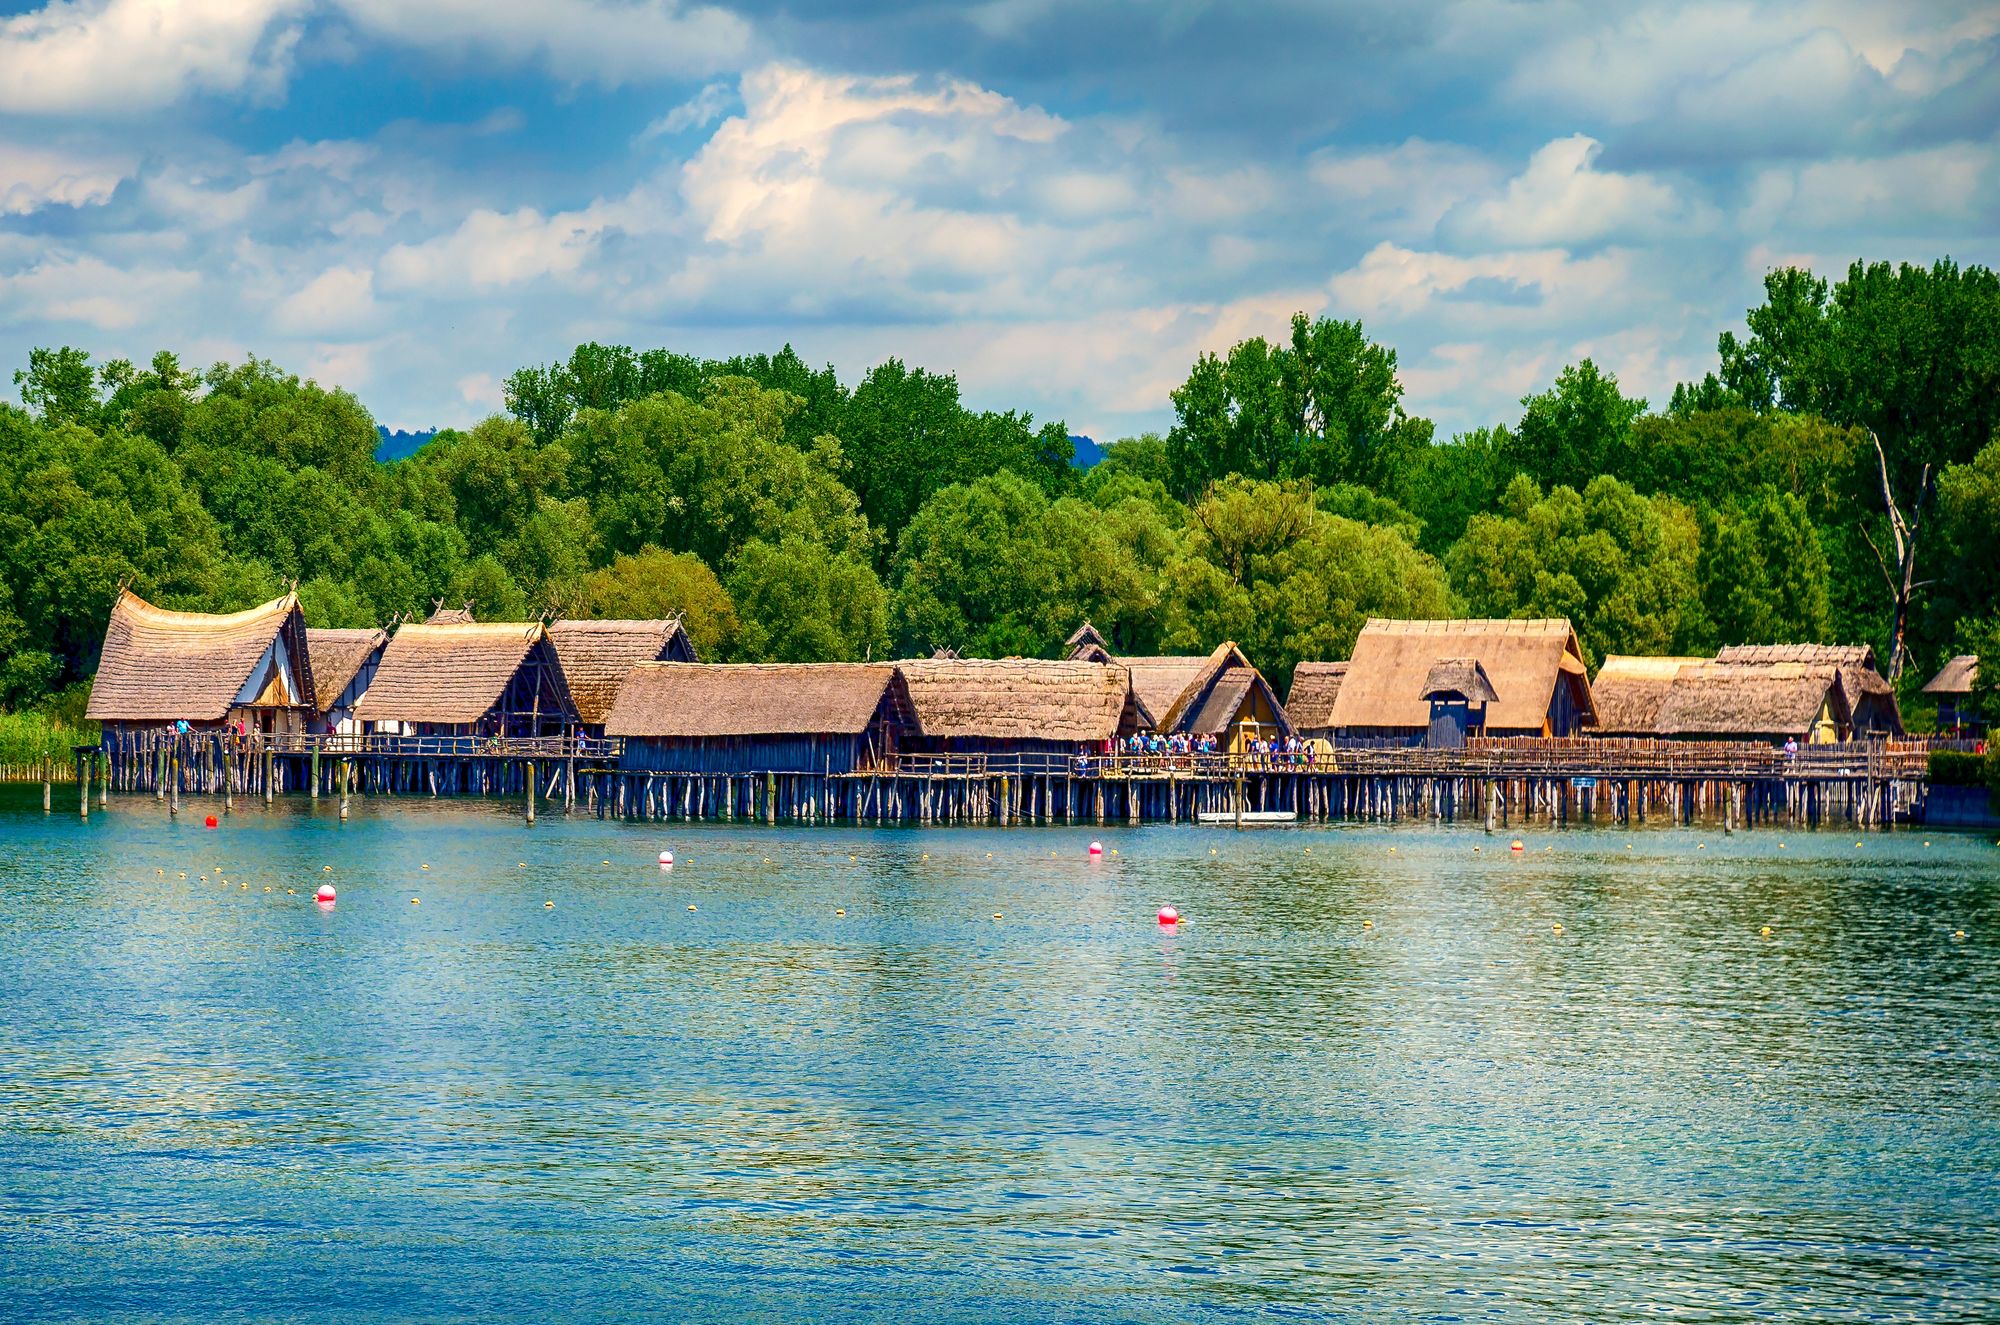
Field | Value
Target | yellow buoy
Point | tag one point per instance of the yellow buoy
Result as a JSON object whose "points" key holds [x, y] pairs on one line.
{"points": [[850, 857], [690, 906], [291, 892], [927, 855], [840, 910], [996, 915], [524, 864], [1766, 931], [1701, 846], [607, 862], [328, 869], [1392, 851], [1557, 927], [1114, 850], [1958, 933], [267, 887], [1857, 844], [413, 901], [548, 906], [1367, 924], [1309, 851], [425, 867], [184, 874]]}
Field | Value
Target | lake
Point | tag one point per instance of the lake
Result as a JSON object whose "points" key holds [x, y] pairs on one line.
{"points": [[1369, 1079]]}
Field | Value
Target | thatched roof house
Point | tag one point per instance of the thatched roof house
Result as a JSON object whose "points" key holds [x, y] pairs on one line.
{"points": [[1315, 685], [761, 717], [1629, 690], [1459, 678], [597, 655], [1767, 701], [1214, 694], [1951, 687], [343, 666], [1870, 698], [1535, 667], [161, 666], [1017, 703], [476, 678]]}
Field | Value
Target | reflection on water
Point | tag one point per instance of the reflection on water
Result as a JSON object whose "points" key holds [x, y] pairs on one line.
{"points": [[1368, 1079]]}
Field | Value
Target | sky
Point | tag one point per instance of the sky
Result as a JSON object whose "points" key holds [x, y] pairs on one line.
{"points": [[1062, 201]]}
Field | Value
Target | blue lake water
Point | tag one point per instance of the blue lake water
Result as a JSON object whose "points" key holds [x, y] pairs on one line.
{"points": [[219, 1102]]}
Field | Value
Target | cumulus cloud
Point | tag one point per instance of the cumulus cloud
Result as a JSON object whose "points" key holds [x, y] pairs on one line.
{"points": [[1404, 190], [1562, 198], [581, 40], [336, 301], [119, 56], [32, 178]]}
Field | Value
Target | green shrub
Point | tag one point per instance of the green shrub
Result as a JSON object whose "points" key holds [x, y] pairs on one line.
{"points": [[1956, 768]]}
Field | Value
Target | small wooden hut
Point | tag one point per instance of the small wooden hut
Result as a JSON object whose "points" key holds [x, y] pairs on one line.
{"points": [[597, 656], [1534, 666], [1951, 688], [343, 666], [1458, 691], [1315, 685], [160, 666], [1771, 701], [1217, 694], [1017, 706], [720, 718], [1870, 698], [469, 679], [1629, 689]]}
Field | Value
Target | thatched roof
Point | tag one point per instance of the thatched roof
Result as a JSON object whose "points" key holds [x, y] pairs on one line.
{"points": [[1459, 678], [449, 616], [1159, 684], [1224, 700], [162, 666], [676, 699], [597, 655], [1861, 677], [1628, 691], [1016, 699], [337, 655], [1751, 699], [447, 673], [1086, 636], [1315, 685], [1524, 660], [1956, 677]]}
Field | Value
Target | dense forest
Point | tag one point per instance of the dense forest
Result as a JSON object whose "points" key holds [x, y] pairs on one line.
{"points": [[1836, 477]]}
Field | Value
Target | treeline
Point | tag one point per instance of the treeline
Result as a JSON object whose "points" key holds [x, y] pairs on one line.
{"points": [[1836, 477]]}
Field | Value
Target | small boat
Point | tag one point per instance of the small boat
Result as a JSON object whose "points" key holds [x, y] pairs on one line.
{"points": [[1251, 818]]}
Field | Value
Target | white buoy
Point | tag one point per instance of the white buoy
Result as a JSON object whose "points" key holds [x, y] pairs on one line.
{"points": [[666, 857], [1096, 848]]}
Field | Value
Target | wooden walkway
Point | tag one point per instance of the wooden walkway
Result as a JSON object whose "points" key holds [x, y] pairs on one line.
{"points": [[1497, 782]]}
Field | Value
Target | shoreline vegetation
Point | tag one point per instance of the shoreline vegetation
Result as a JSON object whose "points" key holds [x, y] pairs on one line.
{"points": [[1834, 478]]}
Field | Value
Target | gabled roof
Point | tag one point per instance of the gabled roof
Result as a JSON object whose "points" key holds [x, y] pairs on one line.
{"points": [[1159, 684], [1525, 660], [1751, 699], [1459, 678], [337, 656], [1315, 685], [1628, 691], [695, 700], [447, 673], [597, 656], [1085, 637], [161, 666], [1226, 664], [1861, 677], [1016, 698], [1956, 677], [449, 616]]}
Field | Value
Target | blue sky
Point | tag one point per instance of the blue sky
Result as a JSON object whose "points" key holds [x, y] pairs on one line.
{"points": [[1063, 202]]}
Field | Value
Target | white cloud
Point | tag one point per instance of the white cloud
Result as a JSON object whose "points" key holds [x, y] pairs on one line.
{"points": [[581, 40], [88, 290], [338, 300], [1956, 184], [494, 250], [123, 56], [32, 178], [697, 112], [1562, 198], [1403, 191]]}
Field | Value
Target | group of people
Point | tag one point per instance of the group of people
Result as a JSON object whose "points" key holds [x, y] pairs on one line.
{"points": [[1271, 751]]}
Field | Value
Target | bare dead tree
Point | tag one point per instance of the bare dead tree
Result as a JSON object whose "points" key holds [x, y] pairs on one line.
{"points": [[1901, 573]]}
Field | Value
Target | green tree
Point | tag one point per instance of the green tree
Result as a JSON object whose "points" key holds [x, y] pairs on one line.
{"points": [[60, 386], [1764, 573], [1622, 567], [1575, 430], [804, 602], [653, 584]]}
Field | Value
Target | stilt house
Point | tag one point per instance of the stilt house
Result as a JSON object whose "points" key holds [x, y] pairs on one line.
{"points": [[470, 680], [209, 670], [1219, 694], [597, 656], [761, 717], [1017, 706], [343, 665], [1771, 701], [1534, 668], [1629, 691], [1870, 698], [1315, 686], [1951, 688]]}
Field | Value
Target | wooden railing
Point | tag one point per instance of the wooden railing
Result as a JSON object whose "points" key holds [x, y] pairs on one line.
{"points": [[354, 745]]}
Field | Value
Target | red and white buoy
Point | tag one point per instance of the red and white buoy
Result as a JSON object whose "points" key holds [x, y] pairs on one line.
{"points": [[1096, 849], [1517, 846], [1169, 916], [666, 860], [325, 893]]}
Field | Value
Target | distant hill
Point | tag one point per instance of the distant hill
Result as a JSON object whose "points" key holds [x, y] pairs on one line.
{"points": [[396, 445], [1087, 454]]}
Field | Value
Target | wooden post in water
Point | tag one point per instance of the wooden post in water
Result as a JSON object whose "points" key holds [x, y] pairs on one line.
{"points": [[346, 768], [531, 792], [313, 777], [83, 805]]}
